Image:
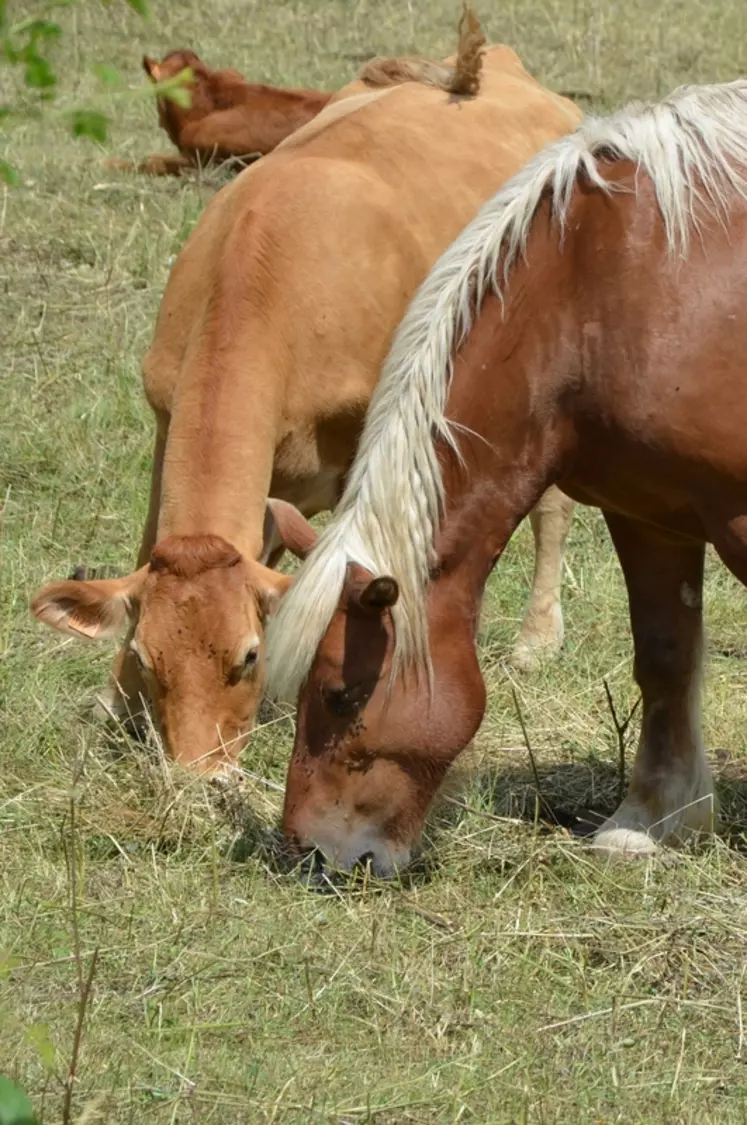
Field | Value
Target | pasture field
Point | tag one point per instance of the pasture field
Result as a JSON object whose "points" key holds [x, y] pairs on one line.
{"points": [[512, 978]]}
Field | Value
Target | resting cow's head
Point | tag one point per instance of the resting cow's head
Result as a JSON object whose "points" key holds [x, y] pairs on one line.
{"points": [[196, 612], [200, 86]]}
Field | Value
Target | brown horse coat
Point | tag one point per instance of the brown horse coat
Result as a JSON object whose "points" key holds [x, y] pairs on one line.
{"points": [[587, 329]]}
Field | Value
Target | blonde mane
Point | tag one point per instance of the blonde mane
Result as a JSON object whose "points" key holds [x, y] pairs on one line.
{"points": [[693, 147]]}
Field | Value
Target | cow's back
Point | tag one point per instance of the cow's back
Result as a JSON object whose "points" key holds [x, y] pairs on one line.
{"points": [[328, 236]]}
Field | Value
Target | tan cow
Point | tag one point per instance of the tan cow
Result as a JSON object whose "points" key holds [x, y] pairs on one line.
{"points": [[273, 328]]}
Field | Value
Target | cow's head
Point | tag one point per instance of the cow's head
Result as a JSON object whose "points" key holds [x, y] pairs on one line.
{"points": [[172, 115], [197, 613]]}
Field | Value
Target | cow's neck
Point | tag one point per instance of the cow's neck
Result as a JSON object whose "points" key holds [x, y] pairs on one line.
{"points": [[286, 98], [219, 455]]}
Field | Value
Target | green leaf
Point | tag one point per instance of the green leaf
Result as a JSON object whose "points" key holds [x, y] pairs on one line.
{"points": [[15, 1107], [9, 176], [139, 6], [88, 123], [107, 74], [37, 29], [7, 963], [40, 1039], [176, 88], [179, 96], [39, 74]]}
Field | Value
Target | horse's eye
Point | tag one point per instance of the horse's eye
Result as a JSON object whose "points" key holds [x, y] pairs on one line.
{"points": [[347, 701], [251, 659], [342, 701]]}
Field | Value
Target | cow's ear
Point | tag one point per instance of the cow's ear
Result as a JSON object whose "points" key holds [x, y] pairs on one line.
{"points": [[152, 68], [94, 610]]}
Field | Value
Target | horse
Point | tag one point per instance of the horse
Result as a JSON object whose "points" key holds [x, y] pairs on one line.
{"points": [[276, 319], [227, 118], [586, 330]]}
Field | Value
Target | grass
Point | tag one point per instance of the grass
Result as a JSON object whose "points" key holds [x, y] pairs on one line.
{"points": [[514, 979]]}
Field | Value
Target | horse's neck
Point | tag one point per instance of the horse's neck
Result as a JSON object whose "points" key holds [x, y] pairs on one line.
{"points": [[506, 407], [219, 454]]}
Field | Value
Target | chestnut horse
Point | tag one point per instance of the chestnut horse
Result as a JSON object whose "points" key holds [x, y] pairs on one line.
{"points": [[276, 319], [587, 330], [226, 118]]}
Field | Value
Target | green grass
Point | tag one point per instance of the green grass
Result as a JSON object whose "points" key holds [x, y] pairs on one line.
{"points": [[514, 979]]}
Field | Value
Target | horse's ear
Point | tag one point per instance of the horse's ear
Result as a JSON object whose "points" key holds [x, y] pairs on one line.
{"points": [[285, 526], [380, 594], [152, 68]]}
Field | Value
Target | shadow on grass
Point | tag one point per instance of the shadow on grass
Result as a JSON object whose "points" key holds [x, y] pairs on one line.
{"points": [[171, 811], [576, 797]]}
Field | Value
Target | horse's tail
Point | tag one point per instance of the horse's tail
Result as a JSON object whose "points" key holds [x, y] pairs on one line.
{"points": [[461, 78]]}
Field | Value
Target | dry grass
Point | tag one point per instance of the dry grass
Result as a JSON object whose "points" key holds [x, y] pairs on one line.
{"points": [[512, 979]]}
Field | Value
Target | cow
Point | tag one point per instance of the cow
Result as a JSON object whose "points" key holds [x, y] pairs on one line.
{"points": [[227, 118], [274, 324]]}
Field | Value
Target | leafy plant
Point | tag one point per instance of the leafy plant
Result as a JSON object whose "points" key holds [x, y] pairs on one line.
{"points": [[15, 1107], [28, 44]]}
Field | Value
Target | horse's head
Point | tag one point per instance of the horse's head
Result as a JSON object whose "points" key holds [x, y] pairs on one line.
{"points": [[371, 750]]}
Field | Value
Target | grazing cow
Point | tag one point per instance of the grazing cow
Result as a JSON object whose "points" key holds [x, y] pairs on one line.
{"points": [[596, 307], [227, 117], [275, 322]]}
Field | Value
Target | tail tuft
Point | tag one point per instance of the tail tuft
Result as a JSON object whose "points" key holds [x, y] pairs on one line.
{"points": [[463, 78]]}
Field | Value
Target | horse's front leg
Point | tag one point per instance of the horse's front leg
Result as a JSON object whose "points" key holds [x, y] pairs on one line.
{"points": [[670, 796]]}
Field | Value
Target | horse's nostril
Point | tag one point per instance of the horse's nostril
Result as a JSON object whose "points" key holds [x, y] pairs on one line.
{"points": [[365, 860], [311, 867], [315, 860]]}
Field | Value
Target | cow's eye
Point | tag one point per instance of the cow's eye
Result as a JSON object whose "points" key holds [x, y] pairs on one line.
{"points": [[246, 666]]}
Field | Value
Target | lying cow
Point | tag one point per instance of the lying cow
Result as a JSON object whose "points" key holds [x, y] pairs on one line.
{"points": [[228, 118], [273, 328]]}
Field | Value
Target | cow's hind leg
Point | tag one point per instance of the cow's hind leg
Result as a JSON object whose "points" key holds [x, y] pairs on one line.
{"points": [[670, 796], [542, 629], [125, 695], [160, 164]]}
